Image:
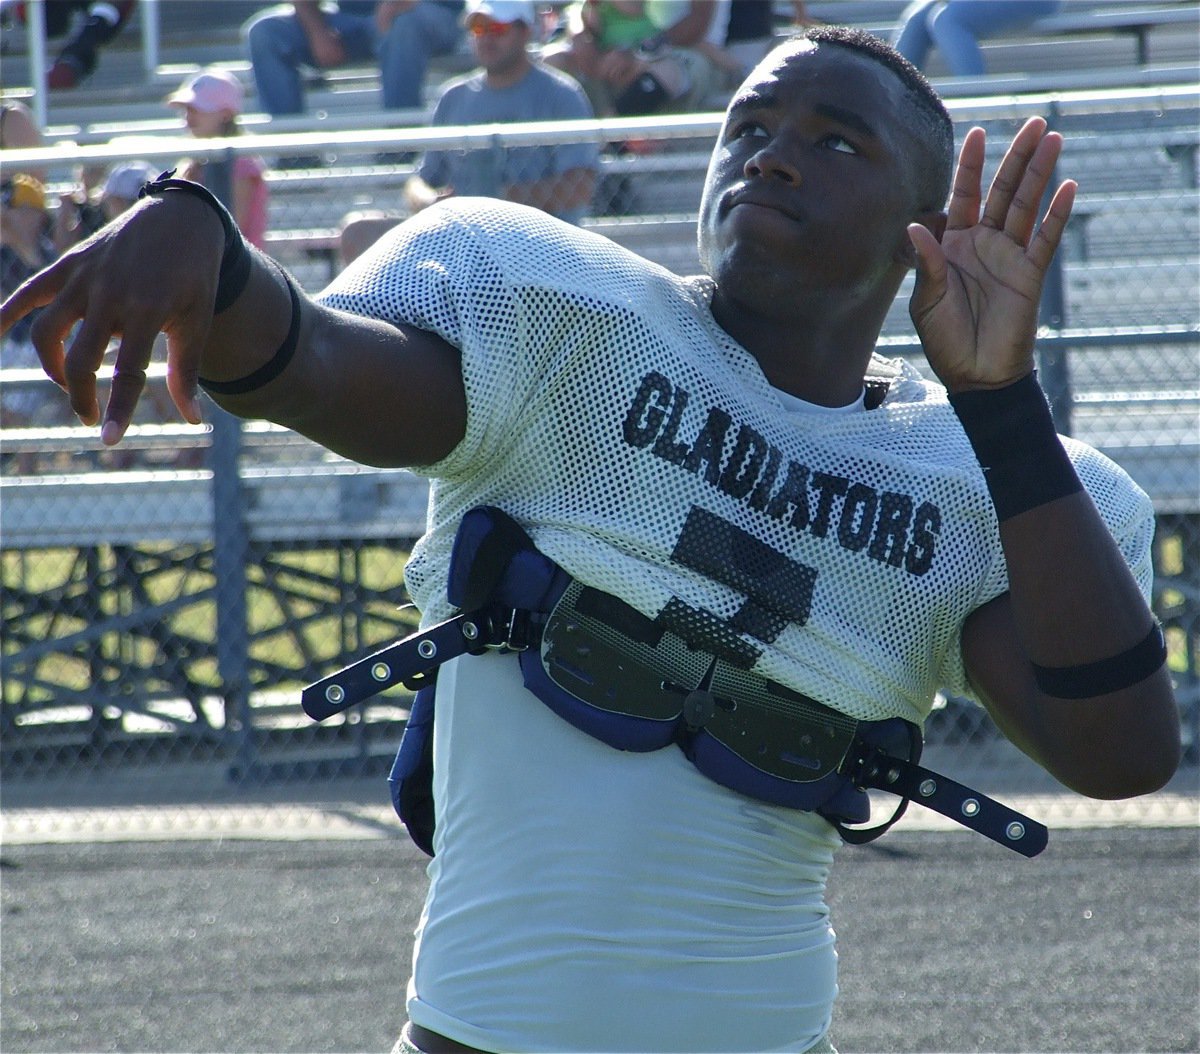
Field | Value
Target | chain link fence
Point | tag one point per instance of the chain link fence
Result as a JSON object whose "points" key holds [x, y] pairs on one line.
{"points": [[165, 602]]}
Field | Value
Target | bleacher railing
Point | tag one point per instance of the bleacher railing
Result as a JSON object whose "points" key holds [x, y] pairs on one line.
{"points": [[164, 602]]}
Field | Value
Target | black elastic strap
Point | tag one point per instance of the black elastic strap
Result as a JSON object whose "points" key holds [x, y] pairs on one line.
{"points": [[1105, 675], [235, 258], [276, 364], [1012, 433]]}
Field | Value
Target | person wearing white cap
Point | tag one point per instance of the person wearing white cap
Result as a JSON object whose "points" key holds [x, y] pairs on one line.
{"points": [[122, 185], [509, 86], [211, 102], [83, 211], [403, 36]]}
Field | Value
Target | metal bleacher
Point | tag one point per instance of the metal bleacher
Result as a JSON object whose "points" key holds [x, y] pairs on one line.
{"points": [[1125, 94]]}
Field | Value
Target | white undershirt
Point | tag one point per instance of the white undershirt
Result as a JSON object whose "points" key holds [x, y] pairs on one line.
{"points": [[793, 403], [586, 898]]}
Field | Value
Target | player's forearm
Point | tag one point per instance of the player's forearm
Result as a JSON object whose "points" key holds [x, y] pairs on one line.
{"points": [[1086, 630], [1071, 661], [372, 392], [1073, 595]]}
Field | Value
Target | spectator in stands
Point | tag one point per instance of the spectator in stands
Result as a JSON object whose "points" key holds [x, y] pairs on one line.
{"points": [[509, 86], [19, 131], [636, 57], [955, 28], [81, 212], [25, 248], [79, 55], [402, 34], [211, 102], [751, 34]]}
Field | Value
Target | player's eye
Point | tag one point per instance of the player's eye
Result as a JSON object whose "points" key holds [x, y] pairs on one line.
{"points": [[839, 143], [748, 130]]}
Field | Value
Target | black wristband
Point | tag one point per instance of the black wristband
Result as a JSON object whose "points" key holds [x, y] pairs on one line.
{"points": [[235, 259], [1012, 433], [276, 364], [1105, 675]]}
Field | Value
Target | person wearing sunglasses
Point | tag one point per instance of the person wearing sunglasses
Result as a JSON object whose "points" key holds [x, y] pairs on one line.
{"points": [[509, 85]]}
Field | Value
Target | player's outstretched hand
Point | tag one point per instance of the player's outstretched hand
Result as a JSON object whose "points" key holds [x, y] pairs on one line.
{"points": [[975, 304], [152, 270]]}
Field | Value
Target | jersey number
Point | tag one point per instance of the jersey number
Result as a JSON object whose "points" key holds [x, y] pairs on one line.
{"points": [[778, 590]]}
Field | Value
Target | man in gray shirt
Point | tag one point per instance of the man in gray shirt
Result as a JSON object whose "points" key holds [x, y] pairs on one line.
{"points": [[510, 86]]}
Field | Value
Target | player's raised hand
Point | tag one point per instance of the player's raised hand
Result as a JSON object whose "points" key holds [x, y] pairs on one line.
{"points": [[152, 270], [975, 304]]}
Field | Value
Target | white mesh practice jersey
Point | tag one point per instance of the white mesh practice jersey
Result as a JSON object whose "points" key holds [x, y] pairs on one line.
{"points": [[645, 451]]}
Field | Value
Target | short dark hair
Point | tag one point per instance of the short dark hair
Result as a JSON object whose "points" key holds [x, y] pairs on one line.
{"points": [[932, 122]]}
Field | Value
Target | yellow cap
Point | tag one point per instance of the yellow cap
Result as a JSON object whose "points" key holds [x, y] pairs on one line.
{"points": [[23, 190]]}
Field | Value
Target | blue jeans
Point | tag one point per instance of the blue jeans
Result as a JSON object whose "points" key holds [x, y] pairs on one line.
{"points": [[955, 28], [278, 49]]}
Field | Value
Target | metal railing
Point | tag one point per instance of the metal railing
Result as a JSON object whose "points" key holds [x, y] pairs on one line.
{"points": [[168, 609]]}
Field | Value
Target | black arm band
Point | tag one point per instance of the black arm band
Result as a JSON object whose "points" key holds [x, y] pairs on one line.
{"points": [[1105, 675], [1012, 433], [235, 259], [276, 364]]}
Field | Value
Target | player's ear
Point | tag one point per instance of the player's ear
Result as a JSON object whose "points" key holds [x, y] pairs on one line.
{"points": [[932, 220]]}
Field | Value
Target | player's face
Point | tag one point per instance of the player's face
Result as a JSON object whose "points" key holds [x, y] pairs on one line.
{"points": [[809, 186]]}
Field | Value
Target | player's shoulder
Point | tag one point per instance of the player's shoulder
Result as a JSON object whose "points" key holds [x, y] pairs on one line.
{"points": [[496, 248], [530, 245], [1115, 492]]}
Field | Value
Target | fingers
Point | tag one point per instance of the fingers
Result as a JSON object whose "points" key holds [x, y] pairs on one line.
{"points": [[128, 379], [185, 343], [61, 307], [931, 270], [1015, 195], [31, 294], [81, 363], [1043, 247], [963, 210]]}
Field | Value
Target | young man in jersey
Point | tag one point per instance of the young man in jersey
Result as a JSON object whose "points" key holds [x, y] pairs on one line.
{"points": [[703, 451]]}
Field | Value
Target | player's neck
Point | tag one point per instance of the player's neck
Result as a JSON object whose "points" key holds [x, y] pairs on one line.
{"points": [[812, 357]]}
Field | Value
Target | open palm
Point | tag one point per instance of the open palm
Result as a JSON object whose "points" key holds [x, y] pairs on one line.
{"points": [[975, 303]]}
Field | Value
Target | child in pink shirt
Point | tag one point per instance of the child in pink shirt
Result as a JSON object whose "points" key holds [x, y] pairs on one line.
{"points": [[211, 102]]}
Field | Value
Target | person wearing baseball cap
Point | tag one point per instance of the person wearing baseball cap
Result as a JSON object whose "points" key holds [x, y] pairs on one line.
{"points": [[211, 102], [503, 12], [210, 91], [26, 246], [510, 85]]}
